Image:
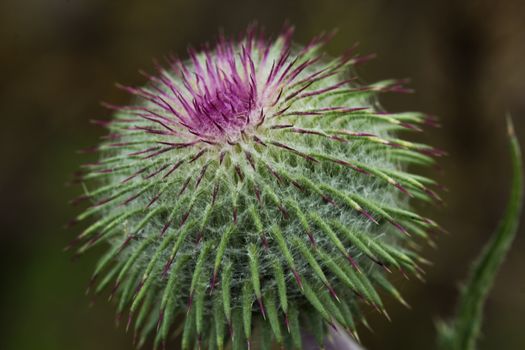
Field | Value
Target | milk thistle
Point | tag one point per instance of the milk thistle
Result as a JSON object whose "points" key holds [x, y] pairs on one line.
{"points": [[252, 192]]}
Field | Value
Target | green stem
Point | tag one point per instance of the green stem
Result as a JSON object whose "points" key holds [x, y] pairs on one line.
{"points": [[463, 331]]}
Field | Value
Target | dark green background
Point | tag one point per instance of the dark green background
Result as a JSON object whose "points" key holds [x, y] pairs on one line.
{"points": [[59, 59]]}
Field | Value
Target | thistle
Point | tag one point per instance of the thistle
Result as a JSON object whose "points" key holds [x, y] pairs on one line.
{"points": [[253, 191]]}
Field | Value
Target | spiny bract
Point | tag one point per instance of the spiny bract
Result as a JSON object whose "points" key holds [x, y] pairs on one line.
{"points": [[254, 191]]}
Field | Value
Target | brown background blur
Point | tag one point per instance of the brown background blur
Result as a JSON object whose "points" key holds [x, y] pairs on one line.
{"points": [[60, 58]]}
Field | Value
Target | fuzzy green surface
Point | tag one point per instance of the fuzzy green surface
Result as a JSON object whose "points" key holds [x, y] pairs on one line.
{"points": [[266, 234]]}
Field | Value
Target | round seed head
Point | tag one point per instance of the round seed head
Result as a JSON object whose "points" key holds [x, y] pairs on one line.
{"points": [[253, 190]]}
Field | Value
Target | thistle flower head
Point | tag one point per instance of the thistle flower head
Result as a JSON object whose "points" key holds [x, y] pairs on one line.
{"points": [[253, 190]]}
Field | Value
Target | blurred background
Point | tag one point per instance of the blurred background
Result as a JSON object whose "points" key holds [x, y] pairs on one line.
{"points": [[60, 58]]}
